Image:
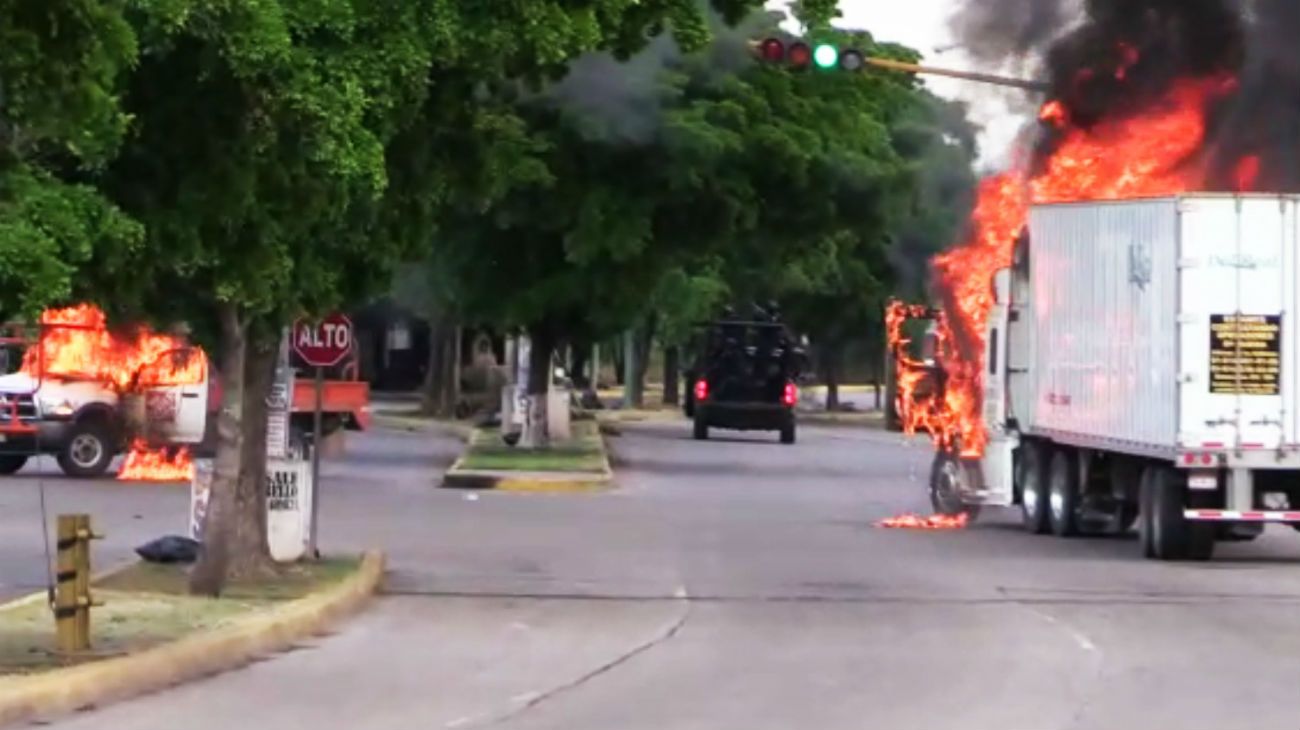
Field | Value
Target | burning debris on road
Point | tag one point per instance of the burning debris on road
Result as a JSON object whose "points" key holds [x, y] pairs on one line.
{"points": [[933, 523], [1149, 99], [143, 464]]}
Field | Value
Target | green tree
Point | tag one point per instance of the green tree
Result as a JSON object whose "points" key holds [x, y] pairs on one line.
{"points": [[59, 122], [285, 156]]}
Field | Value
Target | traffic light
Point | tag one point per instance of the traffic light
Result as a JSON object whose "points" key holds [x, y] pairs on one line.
{"points": [[799, 55]]}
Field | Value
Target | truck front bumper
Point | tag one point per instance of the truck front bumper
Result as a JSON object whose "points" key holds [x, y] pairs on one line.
{"points": [[50, 437]]}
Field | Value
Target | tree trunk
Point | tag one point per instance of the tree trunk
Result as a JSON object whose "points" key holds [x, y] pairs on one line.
{"points": [[536, 428], [618, 356], [431, 404], [645, 338], [208, 577], [877, 377], [582, 380], [249, 555], [831, 373], [633, 372], [672, 375], [450, 395]]}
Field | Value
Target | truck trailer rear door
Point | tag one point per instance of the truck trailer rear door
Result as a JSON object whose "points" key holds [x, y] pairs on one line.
{"points": [[1236, 322]]}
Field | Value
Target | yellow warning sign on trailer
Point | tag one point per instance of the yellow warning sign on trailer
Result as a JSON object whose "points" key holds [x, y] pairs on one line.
{"points": [[1245, 354]]}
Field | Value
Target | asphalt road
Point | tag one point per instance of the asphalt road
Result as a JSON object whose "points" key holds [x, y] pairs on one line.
{"points": [[742, 584]]}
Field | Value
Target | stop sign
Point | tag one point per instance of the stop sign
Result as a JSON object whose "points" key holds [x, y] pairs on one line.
{"points": [[325, 343]]}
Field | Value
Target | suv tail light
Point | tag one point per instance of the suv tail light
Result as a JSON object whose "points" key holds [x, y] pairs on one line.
{"points": [[701, 390], [791, 395]]}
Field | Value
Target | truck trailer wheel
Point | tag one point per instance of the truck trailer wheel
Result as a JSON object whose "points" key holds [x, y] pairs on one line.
{"points": [[1031, 477], [1063, 494], [88, 451], [11, 463], [1168, 534]]}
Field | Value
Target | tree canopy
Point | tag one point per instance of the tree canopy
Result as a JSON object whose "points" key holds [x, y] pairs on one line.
{"points": [[59, 123]]}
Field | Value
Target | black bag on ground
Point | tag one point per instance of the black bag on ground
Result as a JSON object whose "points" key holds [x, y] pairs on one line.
{"points": [[170, 549]]}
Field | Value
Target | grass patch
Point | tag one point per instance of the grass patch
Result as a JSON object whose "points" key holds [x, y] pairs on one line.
{"points": [[585, 452], [147, 605]]}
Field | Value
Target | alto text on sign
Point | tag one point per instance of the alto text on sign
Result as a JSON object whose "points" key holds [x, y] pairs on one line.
{"points": [[325, 343]]}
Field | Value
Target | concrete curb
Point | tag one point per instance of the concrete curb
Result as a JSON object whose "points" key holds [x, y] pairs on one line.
{"points": [[62, 691], [529, 482], [458, 477]]}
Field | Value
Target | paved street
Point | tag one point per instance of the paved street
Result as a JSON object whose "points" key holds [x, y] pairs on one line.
{"points": [[734, 584]]}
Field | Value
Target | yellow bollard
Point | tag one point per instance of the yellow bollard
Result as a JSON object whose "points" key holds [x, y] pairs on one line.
{"points": [[72, 600]]}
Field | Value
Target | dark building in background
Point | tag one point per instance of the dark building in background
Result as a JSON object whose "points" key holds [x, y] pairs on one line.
{"points": [[393, 346]]}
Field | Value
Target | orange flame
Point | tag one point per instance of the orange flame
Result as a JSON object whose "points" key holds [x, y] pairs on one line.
{"points": [[1148, 155], [931, 523], [147, 465], [76, 344]]}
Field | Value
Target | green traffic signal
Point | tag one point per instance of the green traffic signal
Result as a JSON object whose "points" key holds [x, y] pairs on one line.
{"points": [[826, 56]]}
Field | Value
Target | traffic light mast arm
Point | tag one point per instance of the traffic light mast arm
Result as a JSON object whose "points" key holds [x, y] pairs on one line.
{"points": [[892, 65]]}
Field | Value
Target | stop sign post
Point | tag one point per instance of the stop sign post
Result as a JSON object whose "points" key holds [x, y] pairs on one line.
{"points": [[321, 345]]}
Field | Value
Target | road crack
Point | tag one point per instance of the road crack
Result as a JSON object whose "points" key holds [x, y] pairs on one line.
{"points": [[533, 700]]}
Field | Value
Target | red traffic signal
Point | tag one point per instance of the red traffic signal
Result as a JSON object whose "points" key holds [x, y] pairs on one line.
{"points": [[772, 50], [800, 55]]}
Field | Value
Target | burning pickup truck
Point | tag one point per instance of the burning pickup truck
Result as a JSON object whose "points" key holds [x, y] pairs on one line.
{"points": [[75, 389], [83, 393]]}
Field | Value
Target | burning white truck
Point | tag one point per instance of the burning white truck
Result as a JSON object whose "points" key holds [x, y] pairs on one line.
{"points": [[84, 394], [1142, 366]]}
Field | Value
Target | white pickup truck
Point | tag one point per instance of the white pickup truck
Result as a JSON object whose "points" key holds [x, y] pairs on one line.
{"points": [[85, 423]]}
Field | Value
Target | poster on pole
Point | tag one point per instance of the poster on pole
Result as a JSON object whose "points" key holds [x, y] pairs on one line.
{"points": [[279, 405]]}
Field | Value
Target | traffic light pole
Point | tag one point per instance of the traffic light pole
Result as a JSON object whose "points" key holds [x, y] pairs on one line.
{"points": [[892, 65], [800, 55]]}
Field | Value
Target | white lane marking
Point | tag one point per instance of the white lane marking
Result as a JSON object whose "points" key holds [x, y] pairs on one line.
{"points": [[526, 697], [520, 626], [1079, 637], [680, 593], [458, 722]]}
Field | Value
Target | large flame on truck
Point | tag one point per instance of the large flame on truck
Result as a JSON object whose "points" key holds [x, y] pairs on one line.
{"points": [[1155, 152], [77, 344]]}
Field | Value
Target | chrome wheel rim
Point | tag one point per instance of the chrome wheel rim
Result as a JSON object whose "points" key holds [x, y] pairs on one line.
{"points": [[86, 450]]}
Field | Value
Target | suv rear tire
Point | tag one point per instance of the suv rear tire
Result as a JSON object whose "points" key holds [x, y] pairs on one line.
{"points": [[701, 427], [788, 433], [88, 451]]}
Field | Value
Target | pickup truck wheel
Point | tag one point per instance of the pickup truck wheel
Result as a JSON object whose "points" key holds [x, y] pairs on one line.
{"points": [[11, 463], [701, 428], [1032, 479], [1063, 494], [788, 433], [1173, 536], [88, 452]]}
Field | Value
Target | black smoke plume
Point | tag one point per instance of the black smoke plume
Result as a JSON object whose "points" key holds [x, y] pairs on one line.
{"points": [[1107, 59]]}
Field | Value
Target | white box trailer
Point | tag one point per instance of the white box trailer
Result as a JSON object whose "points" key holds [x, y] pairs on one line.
{"points": [[1141, 366]]}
